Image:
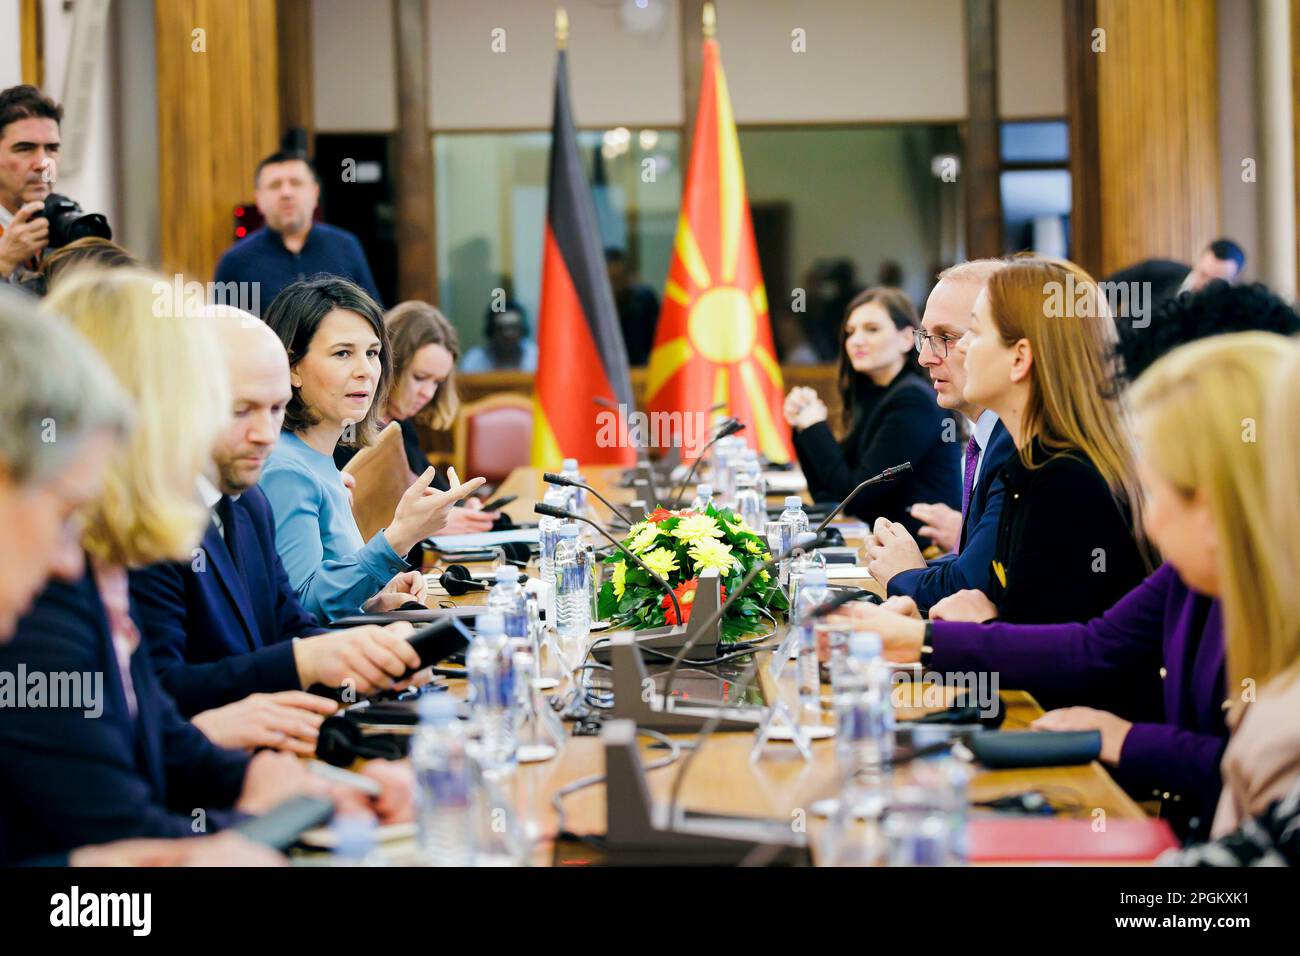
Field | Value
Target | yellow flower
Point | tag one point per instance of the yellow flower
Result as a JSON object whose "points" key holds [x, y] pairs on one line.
{"points": [[707, 553], [637, 529], [644, 540], [697, 528], [752, 546], [619, 579], [764, 576], [739, 527], [662, 561]]}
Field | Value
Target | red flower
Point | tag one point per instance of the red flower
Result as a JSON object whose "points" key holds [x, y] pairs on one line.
{"points": [[686, 598], [659, 514]]}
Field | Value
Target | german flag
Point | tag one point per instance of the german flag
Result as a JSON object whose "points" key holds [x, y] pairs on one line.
{"points": [[581, 356], [713, 345]]}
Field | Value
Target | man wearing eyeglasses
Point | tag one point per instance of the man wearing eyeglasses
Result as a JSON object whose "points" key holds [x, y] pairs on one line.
{"points": [[892, 555]]}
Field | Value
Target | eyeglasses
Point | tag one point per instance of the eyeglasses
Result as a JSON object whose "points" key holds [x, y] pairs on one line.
{"points": [[939, 344]]}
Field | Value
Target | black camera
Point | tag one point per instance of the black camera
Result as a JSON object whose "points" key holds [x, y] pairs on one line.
{"points": [[69, 222]]}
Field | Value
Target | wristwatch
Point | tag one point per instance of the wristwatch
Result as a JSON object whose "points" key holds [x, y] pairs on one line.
{"points": [[927, 645]]}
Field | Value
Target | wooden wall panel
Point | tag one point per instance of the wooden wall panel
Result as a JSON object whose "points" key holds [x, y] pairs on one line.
{"points": [[1156, 128], [296, 69], [982, 156], [218, 114]]}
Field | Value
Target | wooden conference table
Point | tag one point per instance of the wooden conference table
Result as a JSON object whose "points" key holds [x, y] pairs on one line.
{"points": [[781, 784]]}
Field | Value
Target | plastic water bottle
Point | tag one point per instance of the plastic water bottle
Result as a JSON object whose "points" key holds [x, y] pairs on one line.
{"points": [[793, 523], [577, 496], [749, 503], [864, 710], [755, 467], [356, 840], [803, 561], [703, 497], [507, 598], [807, 674], [727, 450], [572, 586], [490, 667], [548, 536], [444, 808]]}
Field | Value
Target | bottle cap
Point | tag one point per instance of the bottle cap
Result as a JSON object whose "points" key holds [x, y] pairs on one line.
{"points": [[815, 577], [570, 464], [491, 624], [436, 708], [704, 491], [354, 834], [864, 644], [507, 574], [569, 531], [794, 501]]}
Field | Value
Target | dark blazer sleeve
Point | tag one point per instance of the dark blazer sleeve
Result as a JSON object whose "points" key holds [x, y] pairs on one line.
{"points": [[160, 599], [908, 426], [972, 568], [75, 777], [198, 772], [1075, 555]]}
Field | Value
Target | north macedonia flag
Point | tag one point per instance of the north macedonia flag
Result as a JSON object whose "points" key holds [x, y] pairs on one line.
{"points": [[713, 345]]}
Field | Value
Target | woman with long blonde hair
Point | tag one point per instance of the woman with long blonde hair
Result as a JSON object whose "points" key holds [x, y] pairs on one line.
{"points": [[1149, 673], [137, 769], [1263, 758], [1039, 354]]}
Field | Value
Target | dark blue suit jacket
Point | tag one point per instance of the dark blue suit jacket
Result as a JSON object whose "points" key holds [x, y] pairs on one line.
{"points": [[221, 627], [68, 779], [972, 566]]}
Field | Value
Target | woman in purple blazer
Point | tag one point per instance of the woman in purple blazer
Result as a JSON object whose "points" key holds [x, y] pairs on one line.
{"points": [[1149, 673]]}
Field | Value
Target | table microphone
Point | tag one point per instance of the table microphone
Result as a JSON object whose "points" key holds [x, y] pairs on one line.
{"points": [[839, 600], [889, 474], [728, 427], [745, 582], [638, 443], [553, 479], [550, 511]]}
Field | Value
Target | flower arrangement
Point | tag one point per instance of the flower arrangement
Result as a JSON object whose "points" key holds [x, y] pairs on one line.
{"points": [[678, 546]]}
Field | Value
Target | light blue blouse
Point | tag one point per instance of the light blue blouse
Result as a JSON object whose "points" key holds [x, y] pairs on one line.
{"points": [[331, 568]]}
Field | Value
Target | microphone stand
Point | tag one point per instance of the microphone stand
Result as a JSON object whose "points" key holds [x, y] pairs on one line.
{"points": [[745, 582], [630, 675], [553, 479], [729, 427], [551, 511], [644, 472], [889, 474]]}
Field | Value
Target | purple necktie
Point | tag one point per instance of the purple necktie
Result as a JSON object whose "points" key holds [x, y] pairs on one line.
{"points": [[968, 481]]}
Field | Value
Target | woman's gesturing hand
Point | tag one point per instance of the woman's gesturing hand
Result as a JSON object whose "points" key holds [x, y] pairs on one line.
{"points": [[423, 511]]}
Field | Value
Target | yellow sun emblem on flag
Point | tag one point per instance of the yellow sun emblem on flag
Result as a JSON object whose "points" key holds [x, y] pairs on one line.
{"points": [[714, 345]]}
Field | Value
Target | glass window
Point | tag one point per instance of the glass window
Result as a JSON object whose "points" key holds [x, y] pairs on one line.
{"points": [[837, 209], [1037, 142], [491, 203], [1036, 211]]}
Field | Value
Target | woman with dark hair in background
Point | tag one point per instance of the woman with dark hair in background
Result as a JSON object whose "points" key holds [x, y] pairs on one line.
{"points": [[339, 369], [425, 349], [890, 416]]}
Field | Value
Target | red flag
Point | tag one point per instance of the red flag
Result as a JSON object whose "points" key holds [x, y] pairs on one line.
{"points": [[714, 341]]}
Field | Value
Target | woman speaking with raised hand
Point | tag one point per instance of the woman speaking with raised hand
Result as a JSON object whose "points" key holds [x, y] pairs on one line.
{"points": [[333, 332]]}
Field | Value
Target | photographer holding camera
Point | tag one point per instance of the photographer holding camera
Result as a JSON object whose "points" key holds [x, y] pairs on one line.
{"points": [[29, 148], [32, 216]]}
